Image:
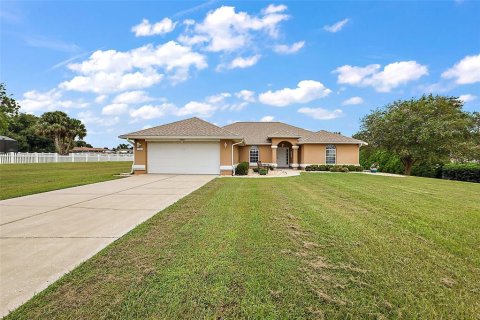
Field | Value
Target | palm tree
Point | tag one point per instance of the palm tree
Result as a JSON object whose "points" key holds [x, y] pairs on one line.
{"points": [[62, 129]]}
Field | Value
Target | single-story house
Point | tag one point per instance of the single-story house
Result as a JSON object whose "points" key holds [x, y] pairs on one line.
{"points": [[195, 146]]}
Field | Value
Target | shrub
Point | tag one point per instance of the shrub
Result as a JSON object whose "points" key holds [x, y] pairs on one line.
{"points": [[263, 172], [242, 169], [255, 169], [463, 172], [270, 167], [333, 169], [343, 169], [322, 167], [352, 167]]}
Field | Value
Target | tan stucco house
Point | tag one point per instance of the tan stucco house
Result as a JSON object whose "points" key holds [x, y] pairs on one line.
{"points": [[195, 146]]}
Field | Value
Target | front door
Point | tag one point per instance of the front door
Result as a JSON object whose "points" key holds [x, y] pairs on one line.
{"points": [[282, 157]]}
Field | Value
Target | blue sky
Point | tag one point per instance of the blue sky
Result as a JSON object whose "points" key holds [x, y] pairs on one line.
{"points": [[124, 66]]}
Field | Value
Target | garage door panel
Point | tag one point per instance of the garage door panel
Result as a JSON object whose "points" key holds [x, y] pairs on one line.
{"points": [[184, 158]]}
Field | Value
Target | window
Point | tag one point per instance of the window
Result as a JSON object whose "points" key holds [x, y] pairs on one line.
{"points": [[331, 154], [254, 154]]}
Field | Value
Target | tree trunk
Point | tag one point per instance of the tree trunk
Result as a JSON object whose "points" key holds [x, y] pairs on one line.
{"points": [[57, 144], [408, 163]]}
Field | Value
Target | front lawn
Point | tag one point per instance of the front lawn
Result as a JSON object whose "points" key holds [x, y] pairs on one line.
{"points": [[22, 179], [327, 245]]}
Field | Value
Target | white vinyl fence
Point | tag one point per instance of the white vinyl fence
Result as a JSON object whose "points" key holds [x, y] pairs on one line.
{"points": [[14, 157]]}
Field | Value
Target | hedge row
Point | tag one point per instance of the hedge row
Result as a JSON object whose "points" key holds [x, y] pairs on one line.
{"points": [[333, 168], [463, 172]]}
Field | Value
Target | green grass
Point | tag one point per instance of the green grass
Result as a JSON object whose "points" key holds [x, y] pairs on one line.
{"points": [[23, 179], [328, 245]]}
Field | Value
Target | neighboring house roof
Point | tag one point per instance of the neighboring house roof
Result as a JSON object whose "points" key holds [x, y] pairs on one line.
{"points": [[259, 132], [191, 128], [75, 149], [6, 138]]}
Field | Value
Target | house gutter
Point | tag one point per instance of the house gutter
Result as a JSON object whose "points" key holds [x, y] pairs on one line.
{"points": [[234, 144]]}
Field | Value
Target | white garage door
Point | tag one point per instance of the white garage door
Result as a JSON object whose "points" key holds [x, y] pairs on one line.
{"points": [[187, 157]]}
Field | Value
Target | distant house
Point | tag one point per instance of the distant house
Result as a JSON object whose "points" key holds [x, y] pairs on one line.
{"points": [[124, 151], [199, 147], [8, 145], [90, 150]]}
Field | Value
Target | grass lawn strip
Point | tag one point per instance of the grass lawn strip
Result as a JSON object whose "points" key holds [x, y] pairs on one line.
{"points": [[330, 245], [18, 180]]}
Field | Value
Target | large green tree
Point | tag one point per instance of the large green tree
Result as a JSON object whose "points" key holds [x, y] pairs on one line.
{"points": [[425, 129], [62, 129], [8, 109]]}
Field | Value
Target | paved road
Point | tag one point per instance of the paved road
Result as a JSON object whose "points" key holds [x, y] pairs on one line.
{"points": [[43, 236]]}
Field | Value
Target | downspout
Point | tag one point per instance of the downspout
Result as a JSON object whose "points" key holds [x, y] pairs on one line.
{"points": [[133, 144], [234, 144]]}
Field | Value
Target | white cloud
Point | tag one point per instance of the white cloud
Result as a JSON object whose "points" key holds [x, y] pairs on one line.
{"points": [[148, 112], [355, 75], [392, 75], [88, 117], [320, 113], [465, 71], [224, 29], [242, 63], [286, 49], [145, 28], [352, 101], [218, 98], [132, 97], [337, 26], [47, 101], [267, 119], [306, 91], [112, 71], [196, 108], [246, 95], [274, 9], [115, 109], [467, 97], [102, 82], [101, 98]]}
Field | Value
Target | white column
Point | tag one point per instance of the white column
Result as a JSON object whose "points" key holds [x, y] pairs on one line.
{"points": [[56, 157], [73, 156]]}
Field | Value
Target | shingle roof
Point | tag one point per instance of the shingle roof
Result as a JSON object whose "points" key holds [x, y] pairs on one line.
{"points": [[192, 127], [323, 136], [258, 132], [7, 138]]}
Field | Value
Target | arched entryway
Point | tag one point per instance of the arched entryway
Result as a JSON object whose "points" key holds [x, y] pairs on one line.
{"points": [[284, 154]]}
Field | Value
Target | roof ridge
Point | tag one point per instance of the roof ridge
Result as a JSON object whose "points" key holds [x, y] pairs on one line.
{"points": [[284, 123]]}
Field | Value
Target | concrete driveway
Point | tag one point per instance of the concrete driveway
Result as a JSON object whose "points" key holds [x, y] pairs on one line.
{"points": [[43, 236]]}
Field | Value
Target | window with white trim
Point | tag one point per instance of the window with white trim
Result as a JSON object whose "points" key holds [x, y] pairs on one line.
{"points": [[254, 154], [330, 154]]}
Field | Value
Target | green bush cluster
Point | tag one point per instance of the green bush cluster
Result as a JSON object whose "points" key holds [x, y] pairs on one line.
{"points": [[242, 169], [333, 168], [390, 163], [463, 172], [263, 172]]}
